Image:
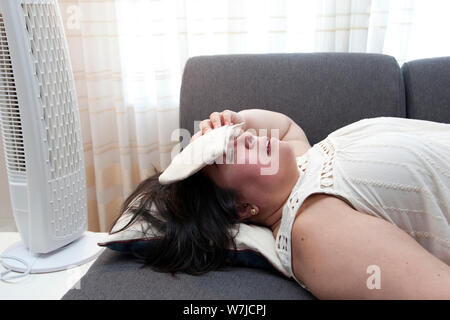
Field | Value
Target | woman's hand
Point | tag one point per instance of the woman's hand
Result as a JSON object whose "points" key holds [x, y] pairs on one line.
{"points": [[216, 120]]}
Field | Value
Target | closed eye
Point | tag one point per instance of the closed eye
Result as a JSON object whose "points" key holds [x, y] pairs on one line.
{"points": [[229, 152], [230, 155]]}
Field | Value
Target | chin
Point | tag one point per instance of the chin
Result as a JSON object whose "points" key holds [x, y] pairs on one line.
{"points": [[280, 161], [287, 152]]}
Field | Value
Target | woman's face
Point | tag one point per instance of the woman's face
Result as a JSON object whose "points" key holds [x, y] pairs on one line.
{"points": [[261, 173]]}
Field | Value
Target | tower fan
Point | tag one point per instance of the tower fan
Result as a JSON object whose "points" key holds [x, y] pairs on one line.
{"points": [[42, 141]]}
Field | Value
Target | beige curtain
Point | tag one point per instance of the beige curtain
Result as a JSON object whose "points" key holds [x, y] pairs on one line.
{"points": [[122, 143], [128, 57]]}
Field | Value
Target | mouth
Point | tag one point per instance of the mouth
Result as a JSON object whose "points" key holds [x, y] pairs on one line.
{"points": [[268, 146]]}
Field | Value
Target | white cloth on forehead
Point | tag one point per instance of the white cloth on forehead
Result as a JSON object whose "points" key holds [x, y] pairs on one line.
{"points": [[199, 153]]}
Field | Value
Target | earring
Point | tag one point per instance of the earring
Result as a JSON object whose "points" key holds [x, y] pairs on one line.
{"points": [[253, 212]]}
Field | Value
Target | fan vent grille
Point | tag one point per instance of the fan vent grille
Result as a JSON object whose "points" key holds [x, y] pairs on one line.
{"points": [[10, 116], [58, 113], [56, 91]]}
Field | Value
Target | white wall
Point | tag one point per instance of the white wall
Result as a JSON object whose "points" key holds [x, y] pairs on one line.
{"points": [[6, 216]]}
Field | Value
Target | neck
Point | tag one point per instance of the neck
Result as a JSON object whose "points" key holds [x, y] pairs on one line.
{"points": [[272, 218]]}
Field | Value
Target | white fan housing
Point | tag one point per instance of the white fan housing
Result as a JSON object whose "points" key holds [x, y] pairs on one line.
{"points": [[40, 125]]}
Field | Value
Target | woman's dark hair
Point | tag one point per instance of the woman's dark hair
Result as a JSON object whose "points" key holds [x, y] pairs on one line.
{"points": [[194, 217]]}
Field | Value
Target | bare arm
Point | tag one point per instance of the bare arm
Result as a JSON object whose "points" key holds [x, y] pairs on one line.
{"points": [[259, 119], [262, 122], [334, 246]]}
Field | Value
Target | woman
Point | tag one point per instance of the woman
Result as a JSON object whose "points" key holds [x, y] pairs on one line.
{"points": [[332, 219]]}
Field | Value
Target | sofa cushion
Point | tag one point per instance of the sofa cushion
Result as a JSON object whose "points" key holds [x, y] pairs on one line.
{"points": [[427, 85], [117, 276], [320, 91]]}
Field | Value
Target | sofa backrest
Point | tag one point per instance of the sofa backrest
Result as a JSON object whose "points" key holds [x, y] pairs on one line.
{"points": [[427, 87], [320, 91]]}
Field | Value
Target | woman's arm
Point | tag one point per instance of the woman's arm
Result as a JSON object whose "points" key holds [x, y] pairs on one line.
{"points": [[263, 122], [339, 252], [259, 119]]}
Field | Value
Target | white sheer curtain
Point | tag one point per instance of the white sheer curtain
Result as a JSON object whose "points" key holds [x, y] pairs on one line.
{"points": [[157, 37], [405, 29], [128, 57]]}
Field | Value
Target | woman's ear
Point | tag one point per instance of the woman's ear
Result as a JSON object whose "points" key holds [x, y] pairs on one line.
{"points": [[247, 211]]}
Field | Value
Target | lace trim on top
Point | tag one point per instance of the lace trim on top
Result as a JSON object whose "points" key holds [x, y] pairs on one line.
{"points": [[290, 209], [326, 177], [283, 240]]}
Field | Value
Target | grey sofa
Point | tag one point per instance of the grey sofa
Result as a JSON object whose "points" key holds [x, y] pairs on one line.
{"points": [[321, 92]]}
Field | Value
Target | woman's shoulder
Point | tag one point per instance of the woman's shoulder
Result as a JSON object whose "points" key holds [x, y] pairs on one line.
{"points": [[315, 203], [319, 200], [333, 247], [319, 203]]}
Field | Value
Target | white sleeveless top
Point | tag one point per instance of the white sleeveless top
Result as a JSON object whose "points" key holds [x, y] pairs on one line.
{"points": [[394, 168]]}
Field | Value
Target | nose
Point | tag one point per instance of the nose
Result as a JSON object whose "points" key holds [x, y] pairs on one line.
{"points": [[248, 139]]}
